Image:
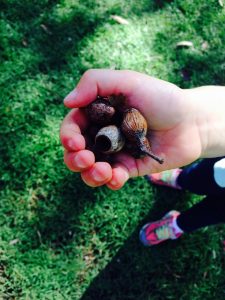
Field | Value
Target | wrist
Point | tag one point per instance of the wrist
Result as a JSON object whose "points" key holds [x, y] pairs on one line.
{"points": [[208, 105]]}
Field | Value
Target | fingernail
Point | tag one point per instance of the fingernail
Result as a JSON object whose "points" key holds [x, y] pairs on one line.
{"points": [[70, 97], [126, 177], [79, 162], [97, 176], [113, 182], [71, 145]]}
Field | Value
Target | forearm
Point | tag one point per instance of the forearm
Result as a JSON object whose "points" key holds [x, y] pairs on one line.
{"points": [[209, 104]]}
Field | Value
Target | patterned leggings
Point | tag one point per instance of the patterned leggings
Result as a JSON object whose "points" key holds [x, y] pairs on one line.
{"points": [[206, 177]]}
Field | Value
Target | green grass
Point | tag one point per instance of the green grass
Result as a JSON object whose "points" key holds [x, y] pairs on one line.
{"points": [[60, 239]]}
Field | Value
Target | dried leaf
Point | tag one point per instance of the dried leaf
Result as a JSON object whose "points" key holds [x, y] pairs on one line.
{"points": [[176, 275], [13, 242], [119, 20], [187, 44], [45, 28], [24, 42], [205, 45], [39, 236], [221, 3]]}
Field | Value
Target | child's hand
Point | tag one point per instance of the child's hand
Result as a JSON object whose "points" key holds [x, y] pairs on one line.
{"points": [[174, 134]]}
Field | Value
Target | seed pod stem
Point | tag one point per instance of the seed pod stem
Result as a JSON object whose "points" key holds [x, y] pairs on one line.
{"points": [[145, 148], [152, 155]]}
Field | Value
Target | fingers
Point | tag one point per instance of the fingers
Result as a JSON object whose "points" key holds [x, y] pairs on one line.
{"points": [[96, 174], [114, 177], [99, 174], [79, 161], [70, 132], [120, 175], [102, 83]]}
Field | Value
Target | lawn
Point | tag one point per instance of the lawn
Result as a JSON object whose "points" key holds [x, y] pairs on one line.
{"points": [[60, 239]]}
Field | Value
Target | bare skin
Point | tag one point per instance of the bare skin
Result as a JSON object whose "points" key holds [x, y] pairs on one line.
{"points": [[181, 124]]}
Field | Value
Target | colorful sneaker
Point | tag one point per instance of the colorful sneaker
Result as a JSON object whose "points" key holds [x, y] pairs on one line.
{"points": [[166, 178], [161, 230]]}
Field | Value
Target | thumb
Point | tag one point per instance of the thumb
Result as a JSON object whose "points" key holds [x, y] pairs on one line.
{"points": [[101, 82]]}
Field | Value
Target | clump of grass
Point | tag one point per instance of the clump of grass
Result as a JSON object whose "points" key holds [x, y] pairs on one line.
{"points": [[60, 239]]}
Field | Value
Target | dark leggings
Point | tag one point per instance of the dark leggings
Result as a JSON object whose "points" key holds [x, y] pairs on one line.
{"points": [[199, 179]]}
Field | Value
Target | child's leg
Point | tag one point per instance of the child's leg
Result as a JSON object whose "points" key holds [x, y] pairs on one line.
{"points": [[209, 211], [205, 178], [200, 178]]}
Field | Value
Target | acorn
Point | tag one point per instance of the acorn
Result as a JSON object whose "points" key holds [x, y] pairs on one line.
{"points": [[135, 127], [100, 111], [109, 139]]}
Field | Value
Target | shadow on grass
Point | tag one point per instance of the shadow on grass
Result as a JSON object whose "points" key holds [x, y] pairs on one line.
{"points": [[63, 35], [191, 65], [158, 4], [50, 29], [54, 31], [56, 39], [58, 226], [136, 272], [202, 63]]}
